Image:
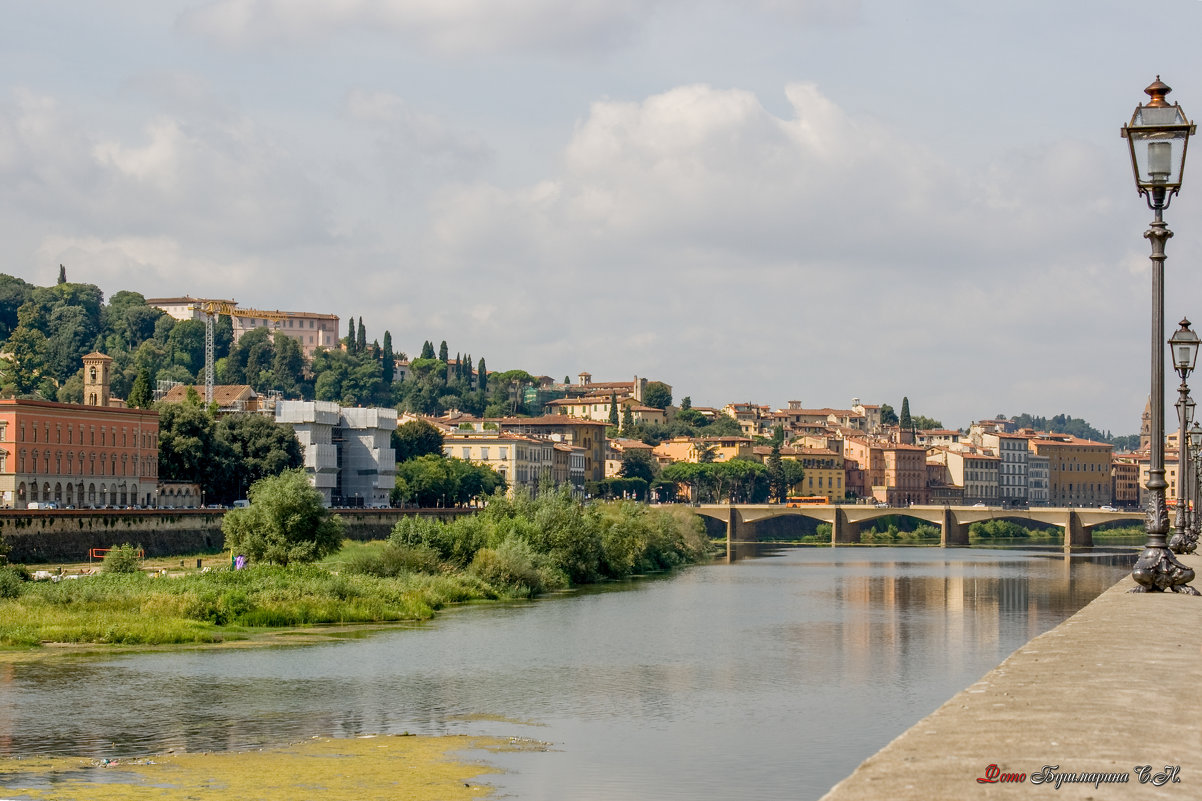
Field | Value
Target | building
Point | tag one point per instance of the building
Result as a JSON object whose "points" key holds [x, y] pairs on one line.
{"points": [[824, 473], [1078, 469], [521, 460], [1124, 471], [712, 449], [597, 407], [348, 455], [588, 435], [82, 455], [975, 473], [616, 450], [310, 329], [1038, 480], [230, 398], [1013, 452]]}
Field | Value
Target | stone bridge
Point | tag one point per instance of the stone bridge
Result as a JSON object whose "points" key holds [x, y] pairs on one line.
{"points": [[953, 521]]}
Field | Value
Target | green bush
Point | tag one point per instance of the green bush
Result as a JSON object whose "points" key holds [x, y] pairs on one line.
{"points": [[11, 581], [394, 560], [123, 559], [515, 567]]}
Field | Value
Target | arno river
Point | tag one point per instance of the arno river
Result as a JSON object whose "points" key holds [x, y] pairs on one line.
{"points": [[770, 678]]}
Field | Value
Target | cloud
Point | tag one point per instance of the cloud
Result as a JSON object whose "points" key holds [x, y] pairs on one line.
{"points": [[452, 27], [410, 140]]}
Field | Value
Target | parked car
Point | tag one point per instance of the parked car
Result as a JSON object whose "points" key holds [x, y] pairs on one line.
{"points": [[1108, 508]]}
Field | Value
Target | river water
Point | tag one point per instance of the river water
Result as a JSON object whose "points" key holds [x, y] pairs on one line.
{"points": [[768, 678]]}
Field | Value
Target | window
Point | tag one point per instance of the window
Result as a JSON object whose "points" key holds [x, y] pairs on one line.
{"points": [[503, 453], [467, 453], [484, 454]]}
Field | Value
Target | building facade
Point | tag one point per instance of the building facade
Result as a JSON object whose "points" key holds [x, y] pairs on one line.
{"points": [[310, 329], [348, 454]]}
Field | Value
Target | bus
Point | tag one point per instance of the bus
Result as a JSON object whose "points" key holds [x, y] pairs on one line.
{"points": [[807, 500]]}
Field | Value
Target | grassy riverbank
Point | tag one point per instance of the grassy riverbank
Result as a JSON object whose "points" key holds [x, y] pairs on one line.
{"points": [[512, 549]]}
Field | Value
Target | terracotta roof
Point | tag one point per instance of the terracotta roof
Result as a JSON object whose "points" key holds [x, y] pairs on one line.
{"points": [[223, 394]]}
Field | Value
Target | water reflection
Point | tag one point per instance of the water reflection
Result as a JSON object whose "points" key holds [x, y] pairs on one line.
{"points": [[769, 678]]}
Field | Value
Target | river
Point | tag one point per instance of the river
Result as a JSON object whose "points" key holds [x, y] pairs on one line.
{"points": [[768, 678]]}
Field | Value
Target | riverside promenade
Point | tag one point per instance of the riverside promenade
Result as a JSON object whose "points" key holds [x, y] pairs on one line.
{"points": [[1116, 686]]}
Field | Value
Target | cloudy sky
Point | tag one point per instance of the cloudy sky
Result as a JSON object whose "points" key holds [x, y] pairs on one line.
{"points": [[764, 200]]}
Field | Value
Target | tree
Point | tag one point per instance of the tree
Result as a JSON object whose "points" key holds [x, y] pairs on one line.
{"points": [[62, 274], [613, 408], [190, 450], [416, 438], [350, 335], [905, 422], [286, 522], [482, 373], [261, 447], [923, 423], [443, 356], [776, 475], [888, 416], [287, 366], [388, 359], [657, 395], [140, 396], [361, 338], [427, 350], [627, 418], [638, 464], [686, 403]]}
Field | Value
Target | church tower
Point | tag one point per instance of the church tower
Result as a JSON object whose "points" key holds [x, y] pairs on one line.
{"points": [[1145, 428], [96, 370]]}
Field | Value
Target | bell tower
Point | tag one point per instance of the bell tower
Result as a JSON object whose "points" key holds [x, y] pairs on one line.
{"points": [[1145, 428], [96, 368]]}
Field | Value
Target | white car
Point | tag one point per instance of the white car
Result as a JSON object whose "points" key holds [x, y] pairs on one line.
{"points": [[1108, 508]]}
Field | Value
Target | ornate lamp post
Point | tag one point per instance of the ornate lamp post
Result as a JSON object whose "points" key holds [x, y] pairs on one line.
{"points": [[1158, 135], [1184, 348], [1195, 460]]}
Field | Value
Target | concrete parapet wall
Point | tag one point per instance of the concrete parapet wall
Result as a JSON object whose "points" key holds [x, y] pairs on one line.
{"points": [[68, 535], [1112, 688]]}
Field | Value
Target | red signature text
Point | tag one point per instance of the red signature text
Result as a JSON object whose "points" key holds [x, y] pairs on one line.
{"points": [[994, 775]]}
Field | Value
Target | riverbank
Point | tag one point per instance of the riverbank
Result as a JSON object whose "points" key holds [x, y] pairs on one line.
{"points": [[513, 549], [397, 768], [1112, 688]]}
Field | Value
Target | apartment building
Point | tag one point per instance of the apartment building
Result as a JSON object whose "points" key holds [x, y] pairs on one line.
{"points": [[975, 473], [1078, 469], [521, 460]]}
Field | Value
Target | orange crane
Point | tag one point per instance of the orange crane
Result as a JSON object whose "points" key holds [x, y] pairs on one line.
{"points": [[211, 309]]}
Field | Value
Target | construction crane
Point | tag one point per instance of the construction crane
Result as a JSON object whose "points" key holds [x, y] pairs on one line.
{"points": [[211, 309]]}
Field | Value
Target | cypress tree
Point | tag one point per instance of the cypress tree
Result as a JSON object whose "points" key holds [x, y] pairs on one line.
{"points": [[361, 342], [482, 372], [627, 418], [906, 423], [613, 409], [427, 350], [389, 366], [350, 336], [443, 355], [62, 274]]}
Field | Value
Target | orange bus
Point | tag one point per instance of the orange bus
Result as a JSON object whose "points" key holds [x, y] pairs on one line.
{"points": [[807, 500]]}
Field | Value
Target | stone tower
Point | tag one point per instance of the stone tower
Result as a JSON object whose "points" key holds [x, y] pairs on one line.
{"points": [[96, 374], [1145, 428]]}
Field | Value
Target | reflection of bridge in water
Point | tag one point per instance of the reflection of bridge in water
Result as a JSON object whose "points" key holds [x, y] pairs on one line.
{"points": [[953, 521]]}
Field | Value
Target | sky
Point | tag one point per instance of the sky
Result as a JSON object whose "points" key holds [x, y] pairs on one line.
{"points": [[763, 200]]}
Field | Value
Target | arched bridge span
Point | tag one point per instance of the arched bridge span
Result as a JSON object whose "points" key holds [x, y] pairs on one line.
{"points": [[953, 521]]}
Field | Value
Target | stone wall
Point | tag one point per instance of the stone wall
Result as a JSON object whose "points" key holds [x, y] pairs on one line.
{"points": [[68, 535]]}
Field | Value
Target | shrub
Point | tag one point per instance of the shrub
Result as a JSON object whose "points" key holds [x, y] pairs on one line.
{"points": [[515, 566], [123, 559], [11, 580]]}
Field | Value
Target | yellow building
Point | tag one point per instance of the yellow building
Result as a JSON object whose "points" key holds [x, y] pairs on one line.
{"points": [[824, 472], [1078, 469], [688, 449]]}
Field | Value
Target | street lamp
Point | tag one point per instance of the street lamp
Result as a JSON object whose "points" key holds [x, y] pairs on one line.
{"points": [[1195, 454], [1158, 135], [1184, 347]]}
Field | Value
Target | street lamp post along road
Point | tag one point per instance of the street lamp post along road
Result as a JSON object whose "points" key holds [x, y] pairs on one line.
{"points": [[1158, 135]]}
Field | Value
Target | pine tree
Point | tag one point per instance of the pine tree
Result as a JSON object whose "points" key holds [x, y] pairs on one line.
{"points": [[906, 423], [62, 274], [613, 409], [389, 365], [140, 396], [442, 352], [482, 376]]}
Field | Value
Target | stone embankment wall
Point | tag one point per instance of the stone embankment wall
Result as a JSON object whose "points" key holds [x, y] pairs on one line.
{"points": [[68, 535]]}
